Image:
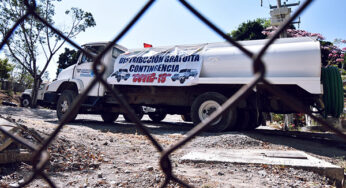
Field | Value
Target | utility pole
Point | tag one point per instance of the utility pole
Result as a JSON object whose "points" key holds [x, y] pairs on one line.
{"points": [[280, 13], [279, 3]]}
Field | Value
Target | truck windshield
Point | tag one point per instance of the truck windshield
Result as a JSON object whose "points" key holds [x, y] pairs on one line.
{"points": [[95, 49], [116, 52]]}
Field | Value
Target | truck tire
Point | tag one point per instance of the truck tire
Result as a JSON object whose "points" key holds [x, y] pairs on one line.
{"points": [[182, 80], [204, 105], [254, 121], [138, 114], [259, 121], [109, 117], [157, 116], [249, 120], [243, 120], [25, 101], [64, 104]]}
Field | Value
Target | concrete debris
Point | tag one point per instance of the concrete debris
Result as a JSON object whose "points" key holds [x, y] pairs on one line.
{"points": [[295, 159]]}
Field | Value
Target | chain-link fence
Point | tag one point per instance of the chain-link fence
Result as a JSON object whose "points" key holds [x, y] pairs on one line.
{"points": [[41, 157]]}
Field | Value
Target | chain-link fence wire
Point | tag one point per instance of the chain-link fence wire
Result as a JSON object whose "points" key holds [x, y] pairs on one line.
{"points": [[41, 156]]}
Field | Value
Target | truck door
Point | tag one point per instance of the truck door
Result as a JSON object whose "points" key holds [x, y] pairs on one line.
{"points": [[83, 71], [41, 90], [109, 60]]}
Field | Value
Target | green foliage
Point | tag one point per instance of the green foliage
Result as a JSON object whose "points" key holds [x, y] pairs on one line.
{"points": [[27, 80], [343, 72], [264, 22], [5, 69], [250, 30], [325, 52], [278, 117], [66, 59], [86, 18], [23, 77], [32, 39]]}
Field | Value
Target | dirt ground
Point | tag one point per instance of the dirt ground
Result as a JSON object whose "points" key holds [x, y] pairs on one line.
{"points": [[90, 153], [7, 97]]}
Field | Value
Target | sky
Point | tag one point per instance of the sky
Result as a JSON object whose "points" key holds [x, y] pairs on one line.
{"points": [[168, 23]]}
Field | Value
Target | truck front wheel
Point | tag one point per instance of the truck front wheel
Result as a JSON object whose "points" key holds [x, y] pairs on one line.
{"points": [[25, 101], [204, 105], [64, 104], [109, 117]]}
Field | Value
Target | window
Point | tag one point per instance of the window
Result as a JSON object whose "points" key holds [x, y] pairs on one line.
{"points": [[116, 52], [41, 86], [94, 50], [85, 59]]}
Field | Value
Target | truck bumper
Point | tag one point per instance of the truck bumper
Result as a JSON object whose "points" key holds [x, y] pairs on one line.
{"points": [[50, 98]]}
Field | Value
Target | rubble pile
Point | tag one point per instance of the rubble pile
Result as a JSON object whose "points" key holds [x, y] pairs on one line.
{"points": [[68, 156]]}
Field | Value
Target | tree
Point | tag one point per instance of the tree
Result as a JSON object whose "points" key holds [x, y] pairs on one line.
{"points": [[5, 69], [32, 37], [66, 59], [25, 79], [250, 30], [22, 76]]}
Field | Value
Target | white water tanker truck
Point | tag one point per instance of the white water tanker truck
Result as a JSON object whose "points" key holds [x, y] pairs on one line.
{"points": [[194, 80]]}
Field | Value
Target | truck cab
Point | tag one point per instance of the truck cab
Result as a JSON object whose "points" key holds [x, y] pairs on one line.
{"points": [[74, 79], [26, 97]]}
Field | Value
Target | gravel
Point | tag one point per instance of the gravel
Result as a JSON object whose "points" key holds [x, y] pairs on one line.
{"points": [[89, 153]]}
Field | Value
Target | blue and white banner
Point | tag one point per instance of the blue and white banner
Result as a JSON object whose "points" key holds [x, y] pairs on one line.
{"points": [[176, 66]]}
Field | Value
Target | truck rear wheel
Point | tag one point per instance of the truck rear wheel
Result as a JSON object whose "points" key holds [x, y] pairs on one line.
{"points": [[243, 120], [204, 105], [64, 104], [248, 120], [139, 115], [256, 119], [109, 117], [157, 116]]}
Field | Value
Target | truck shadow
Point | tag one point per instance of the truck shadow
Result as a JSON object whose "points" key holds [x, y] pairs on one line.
{"points": [[315, 143], [309, 143], [38, 113], [125, 127]]}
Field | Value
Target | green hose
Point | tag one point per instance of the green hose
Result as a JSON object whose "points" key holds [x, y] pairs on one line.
{"points": [[333, 93]]}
